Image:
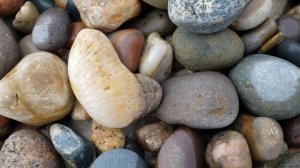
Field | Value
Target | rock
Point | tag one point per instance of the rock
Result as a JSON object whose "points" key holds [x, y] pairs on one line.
{"points": [[26, 17], [256, 37], [119, 158], [153, 136], [290, 27], [1, 144], [265, 89], [253, 15], [293, 150], [37, 90], [228, 149], [134, 146], [9, 7], [294, 12], [207, 16], [83, 128], [6, 126], [162, 4], [28, 148], [43, 5], [207, 52], [264, 136], [26, 46], [79, 113], [51, 30], [150, 158], [75, 150], [208, 100], [72, 11], [61, 3], [182, 149], [278, 8], [9, 51], [76, 27], [129, 44], [105, 138], [156, 61], [289, 50], [271, 43], [107, 15], [291, 131], [183, 72], [290, 161]]}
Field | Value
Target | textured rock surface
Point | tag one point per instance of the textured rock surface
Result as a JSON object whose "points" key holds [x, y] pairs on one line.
{"points": [[290, 161]]}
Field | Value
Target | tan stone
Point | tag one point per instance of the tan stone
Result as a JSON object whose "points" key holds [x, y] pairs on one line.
{"points": [[79, 113]]}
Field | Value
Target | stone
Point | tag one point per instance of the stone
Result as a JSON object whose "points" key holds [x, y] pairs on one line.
{"points": [[37, 91], [289, 50], [26, 17], [228, 149], [9, 51], [203, 100], [6, 126], [51, 30], [215, 51], [72, 10], [150, 158], [207, 16], [43, 5], [75, 150], [156, 61], [119, 158], [294, 12], [79, 113], [278, 8], [9, 7], [183, 72], [264, 136], [153, 136], [256, 37], [293, 150], [1, 144], [291, 131], [76, 27], [61, 3], [26, 46], [271, 43], [129, 44], [107, 15], [184, 148], [253, 15], [290, 161], [290, 27], [161, 4], [105, 138], [265, 89], [28, 148], [134, 146], [82, 127]]}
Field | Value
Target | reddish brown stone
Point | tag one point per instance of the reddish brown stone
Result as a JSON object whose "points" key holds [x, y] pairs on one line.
{"points": [[292, 131], [75, 29], [9, 7], [5, 126]]}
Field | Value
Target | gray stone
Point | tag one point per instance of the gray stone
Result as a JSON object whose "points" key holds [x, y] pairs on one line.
{"points": [[268, 86], [26, 46], [290, 161]]}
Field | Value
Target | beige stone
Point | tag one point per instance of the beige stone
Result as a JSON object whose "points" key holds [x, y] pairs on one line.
{"points": [[79, 113]]}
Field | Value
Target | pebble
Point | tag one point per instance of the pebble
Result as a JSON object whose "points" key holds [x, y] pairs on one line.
{"points": [[72, 11], [6, 126], [43, 5], [206, 16], [183, 72], [265, 89], [289, 50], [253, 15], [156, 61], [272, 43], [25, 19], [278, 8], [184, 148], [134, 146], [294, 12], [105, 138], [290, 27], [39, 87], [119, 158], [208, 99], [264, 136], [1, 144], [83, 127], [150, 158], [207, 51], [153, 136], [51, 30], [79, 113], [228, 149], [75, 150], [61, 3], [28, 148], [291, 131], [107, 15], [129, 44], [9, 7], [161, 4], [9, 51], [256, 37], [290, 161], [75, 28]]}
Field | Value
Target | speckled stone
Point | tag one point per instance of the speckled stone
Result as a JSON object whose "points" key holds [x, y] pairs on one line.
{"points": [[119, 158], [162, 4], [26, 46], [43, 5], [290, 161], [51, 30], [6, 126], [203, 100], [268, 86], [291, 131], [289, 50], [290, 27], [206, 16], [9, 7], [207, 51], [75, 150], [28, 148]]}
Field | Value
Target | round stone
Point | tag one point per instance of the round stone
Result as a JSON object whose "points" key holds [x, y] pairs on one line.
{"points": [[9, 7], [26, 46], [290, 27], [268, 86], [291, 131], [289, 50]]}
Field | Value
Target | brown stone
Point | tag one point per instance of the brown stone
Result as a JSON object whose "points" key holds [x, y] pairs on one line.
{"points": [[276, 39], [294, 12], [291, 131], [5, 126], [79, 113], [74, 30], [9, 7], [26, 46], [290, 27]]}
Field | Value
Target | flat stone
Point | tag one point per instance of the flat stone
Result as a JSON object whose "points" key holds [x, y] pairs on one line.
{"points": [[26, 46], [290, 27], [289, 50], [291, 131], [9, 7]]}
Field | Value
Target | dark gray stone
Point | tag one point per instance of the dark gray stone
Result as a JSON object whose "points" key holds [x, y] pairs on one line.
{"points": [[289, 50], [268, 86]]}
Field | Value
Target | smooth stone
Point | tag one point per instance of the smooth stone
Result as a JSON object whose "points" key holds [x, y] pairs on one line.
{"points": [[37, 90], [289, 50], [153, 136], [75, 28], [28, 148], [26, 17], [43, 5], [272, 43], [161, 4], [9, 7], [119, 158], [61, 3], [51, 30], [83, 127], [207, 51], [183, 72], [129, 44], [208, 100], [253, 15], [206, 16], [75, 150], [291, 131], [294, 12], [79, 113], [6, 126], [256, 37], [290, 161], [105, 138], [184, 148], [9, 51], [228, 149], [72, 10], [264, 136], [265, 89], [278, 8], [156, 61], [107, 15], [290, 27]]}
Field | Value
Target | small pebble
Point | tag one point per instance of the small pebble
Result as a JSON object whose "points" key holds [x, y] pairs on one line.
{"points": [[9, 7], [162, 4], [6, 126], [79, 113], [43, 5], [76, 27], [278, 8], [290, 27], [273, 42], [83, 127], [61, 3], [294, 12], [292, 132], [26, 46], [72, 11], [289, 50]]}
